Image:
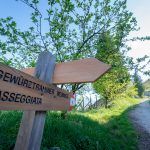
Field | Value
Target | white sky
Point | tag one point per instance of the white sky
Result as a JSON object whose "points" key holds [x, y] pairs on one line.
{"points": [[141, 10]]}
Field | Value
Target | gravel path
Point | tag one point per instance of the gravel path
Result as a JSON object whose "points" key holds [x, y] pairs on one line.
{"points": [[140, 117]]}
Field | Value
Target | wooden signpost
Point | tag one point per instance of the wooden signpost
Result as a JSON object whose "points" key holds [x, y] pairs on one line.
{"points": [[19, 91], [31, 89]]}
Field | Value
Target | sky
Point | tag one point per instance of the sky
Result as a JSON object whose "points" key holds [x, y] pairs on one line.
{"points": [[140, 9]]}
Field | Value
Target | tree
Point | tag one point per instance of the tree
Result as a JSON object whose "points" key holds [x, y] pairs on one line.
{"points": [[138, 83], [112, 49], [73, 28], [114, 83]]}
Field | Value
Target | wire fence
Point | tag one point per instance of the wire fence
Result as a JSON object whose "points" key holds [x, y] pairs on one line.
{"points": [[90, 102]]}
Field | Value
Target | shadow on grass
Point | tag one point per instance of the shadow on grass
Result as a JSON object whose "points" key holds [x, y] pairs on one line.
{"points": [[77, 132]]}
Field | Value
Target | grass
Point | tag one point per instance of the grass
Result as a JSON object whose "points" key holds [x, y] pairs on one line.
{"points": [[102, 129]]}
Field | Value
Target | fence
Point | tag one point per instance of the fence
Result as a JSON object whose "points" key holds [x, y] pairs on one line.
{"points": [[88, 103]]}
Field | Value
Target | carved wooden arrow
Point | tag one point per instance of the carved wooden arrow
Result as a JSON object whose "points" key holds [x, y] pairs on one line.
{"points": [[78, 71]]}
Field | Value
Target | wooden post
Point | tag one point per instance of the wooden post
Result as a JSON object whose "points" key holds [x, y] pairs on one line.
{"points": [[24, 133], [32, 124]]}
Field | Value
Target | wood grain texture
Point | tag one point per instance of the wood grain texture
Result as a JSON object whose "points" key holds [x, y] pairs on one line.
{"points": [[32, 124], [49, 101], [78, 71], [25, 129], [37, 130], [44, 71]]}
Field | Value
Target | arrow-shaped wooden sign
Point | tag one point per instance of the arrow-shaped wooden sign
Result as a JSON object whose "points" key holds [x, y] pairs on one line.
{"points": [[78, 71]]}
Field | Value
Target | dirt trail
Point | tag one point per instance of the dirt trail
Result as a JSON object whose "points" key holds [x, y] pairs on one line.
{"points": [[140, 117]]}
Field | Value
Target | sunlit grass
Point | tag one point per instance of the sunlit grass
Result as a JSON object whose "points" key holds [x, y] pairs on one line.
{"points": [[101, 129]]}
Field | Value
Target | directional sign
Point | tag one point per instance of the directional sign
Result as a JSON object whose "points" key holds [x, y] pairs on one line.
{"points": [[78, 71], [20, 91]]}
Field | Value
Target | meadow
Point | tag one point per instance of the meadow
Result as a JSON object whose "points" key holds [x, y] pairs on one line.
{"points": [[97, 129]]}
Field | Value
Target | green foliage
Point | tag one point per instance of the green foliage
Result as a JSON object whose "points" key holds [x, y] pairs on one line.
{"points": [[69, 29], [138, 83], [9, 124], [140, 64], [113, 84], [108, 129], [112, 49], [131, 90]]}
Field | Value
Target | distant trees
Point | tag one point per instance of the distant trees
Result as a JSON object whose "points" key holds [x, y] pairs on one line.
{"points": [[138, 83]]}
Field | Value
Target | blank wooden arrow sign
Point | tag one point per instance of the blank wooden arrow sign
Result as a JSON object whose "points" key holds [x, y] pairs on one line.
{"points": [[78, 71]]}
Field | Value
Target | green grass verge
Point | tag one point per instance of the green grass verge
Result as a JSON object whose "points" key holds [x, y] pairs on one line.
{"points": [[102, 129]]}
